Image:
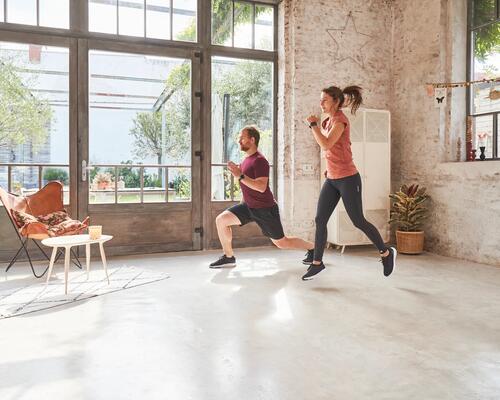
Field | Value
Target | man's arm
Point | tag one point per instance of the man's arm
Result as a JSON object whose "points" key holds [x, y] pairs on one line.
{"points": [[259, 184]]}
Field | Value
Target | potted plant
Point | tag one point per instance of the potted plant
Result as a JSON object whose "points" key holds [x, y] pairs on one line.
{"points": [[408, 212], [102, 180]]}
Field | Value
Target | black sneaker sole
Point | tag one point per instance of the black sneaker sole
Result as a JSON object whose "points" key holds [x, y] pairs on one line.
{"points": [[395, 254], [229, 265]]}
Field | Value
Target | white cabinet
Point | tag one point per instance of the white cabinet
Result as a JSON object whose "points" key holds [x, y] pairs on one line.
{"points": [[371, 150]]}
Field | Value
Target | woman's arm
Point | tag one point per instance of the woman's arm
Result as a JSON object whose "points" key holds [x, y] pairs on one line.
{"points": [[334, 134]]}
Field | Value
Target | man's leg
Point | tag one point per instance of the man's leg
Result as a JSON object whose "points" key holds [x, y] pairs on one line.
{"points": [[290, 242], [224, 221]]}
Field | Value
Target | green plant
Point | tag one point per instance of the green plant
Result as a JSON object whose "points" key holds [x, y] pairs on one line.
{"points": [[408, 209], [182, 186], [56, 174]]}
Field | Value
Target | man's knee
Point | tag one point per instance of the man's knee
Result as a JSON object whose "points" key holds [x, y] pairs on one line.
{"points": [[221, 219]]}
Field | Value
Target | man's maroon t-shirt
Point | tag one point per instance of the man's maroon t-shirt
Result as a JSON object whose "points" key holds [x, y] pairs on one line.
{"points": [[256, 166]]}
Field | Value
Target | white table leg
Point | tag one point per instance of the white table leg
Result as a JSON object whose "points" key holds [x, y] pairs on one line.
{"points": [[87, 255], [51, 264], [67, 253], [103, 258]]}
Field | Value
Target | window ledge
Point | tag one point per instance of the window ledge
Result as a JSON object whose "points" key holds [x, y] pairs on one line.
{"points": [[471, 169]]}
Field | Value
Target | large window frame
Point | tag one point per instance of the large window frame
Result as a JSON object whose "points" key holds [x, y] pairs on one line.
{"points": [[494, 115], [203, 50]]}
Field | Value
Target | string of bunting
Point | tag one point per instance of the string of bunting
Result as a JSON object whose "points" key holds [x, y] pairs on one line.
{"points": [[461, 84]]}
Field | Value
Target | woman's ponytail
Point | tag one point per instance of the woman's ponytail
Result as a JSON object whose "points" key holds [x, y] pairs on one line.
{"points": [[353, 97]]}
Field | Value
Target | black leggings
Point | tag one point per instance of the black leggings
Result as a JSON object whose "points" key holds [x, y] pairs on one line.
{"points": [[349, 188]]}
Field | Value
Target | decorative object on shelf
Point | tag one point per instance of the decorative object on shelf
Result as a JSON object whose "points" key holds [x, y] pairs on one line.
{"points": [[468, 139], [460, 84], [482, 156], [494, 94], [439, 97], [459, 149], [408, 212], [349, 42], [473, 156], [482, 139]]}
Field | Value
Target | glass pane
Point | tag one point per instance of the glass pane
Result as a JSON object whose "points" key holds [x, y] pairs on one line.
{"points": [[155, 183], [264, 30], [24, 180], [21, 12], [486, 66], [179, 184], [484, 11], [140, 113], [4, 178], [102, 185], [158, 19], [223, 187], [60, 174], [102, 16], [242, 94], [243, 19], [129, 185], [54, 13], [222, 25], [184, 20], [483, 136], [34, 110], [2, 12], [131, 17]]}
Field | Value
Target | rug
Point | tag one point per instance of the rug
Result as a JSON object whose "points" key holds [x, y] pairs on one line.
{"points": [[17, 299]]}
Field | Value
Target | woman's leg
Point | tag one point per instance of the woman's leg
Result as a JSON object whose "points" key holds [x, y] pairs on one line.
{"points": [[350, 190], [328, 200]]}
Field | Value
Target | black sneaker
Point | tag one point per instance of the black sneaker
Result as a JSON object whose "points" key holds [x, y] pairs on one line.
{"points": [[223, 262], [309, 257], [389, 262], [313, 270]]}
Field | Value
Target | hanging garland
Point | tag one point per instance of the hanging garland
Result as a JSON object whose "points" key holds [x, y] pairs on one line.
{"points": [[460, 84]]}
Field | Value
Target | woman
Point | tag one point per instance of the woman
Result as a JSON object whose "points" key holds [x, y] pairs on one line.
{"points": [[342, 177]]}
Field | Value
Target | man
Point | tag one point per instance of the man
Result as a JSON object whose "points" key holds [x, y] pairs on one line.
{"points": [[258, 203]]}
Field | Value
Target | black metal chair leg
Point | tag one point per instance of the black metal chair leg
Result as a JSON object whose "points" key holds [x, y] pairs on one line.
{"points": [[31, 264], [76, 261], [12, 262]]}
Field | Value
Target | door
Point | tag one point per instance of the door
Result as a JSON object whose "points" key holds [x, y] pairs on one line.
{"points": [[139, 144]]}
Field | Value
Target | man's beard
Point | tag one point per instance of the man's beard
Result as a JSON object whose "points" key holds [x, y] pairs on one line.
{"points": [[243, 148]]}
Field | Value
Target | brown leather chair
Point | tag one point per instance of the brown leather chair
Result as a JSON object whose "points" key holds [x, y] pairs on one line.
{"points": [[47, 200]]}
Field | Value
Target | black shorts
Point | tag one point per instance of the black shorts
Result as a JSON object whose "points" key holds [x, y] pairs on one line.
{"points": [[268, 219]]}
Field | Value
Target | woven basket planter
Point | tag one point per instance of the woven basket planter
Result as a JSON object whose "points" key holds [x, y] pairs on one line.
{"points": [[410, 242]]}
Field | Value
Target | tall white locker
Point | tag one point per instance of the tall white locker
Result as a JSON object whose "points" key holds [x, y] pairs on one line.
{"points": [[371, 150]]}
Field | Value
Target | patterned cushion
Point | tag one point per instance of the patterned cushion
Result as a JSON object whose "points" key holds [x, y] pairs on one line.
{"points": [[22, 218], [54, 218], [67, 227], [57, 223]]}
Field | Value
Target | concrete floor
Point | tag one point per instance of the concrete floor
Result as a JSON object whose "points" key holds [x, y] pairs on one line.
{"points": [[430, 331]]}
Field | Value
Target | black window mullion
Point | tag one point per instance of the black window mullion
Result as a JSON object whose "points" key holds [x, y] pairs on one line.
{"points": [[495, 135]]}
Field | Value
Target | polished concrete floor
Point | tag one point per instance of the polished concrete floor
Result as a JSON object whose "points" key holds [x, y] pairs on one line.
{"points": [[430, 331]]}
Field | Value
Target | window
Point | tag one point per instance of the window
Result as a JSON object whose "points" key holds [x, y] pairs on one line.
{"points": [[47, 13], [34, 117], [155, 19], [484, 62], [242, 24], [139, 128], [242, 94]]}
